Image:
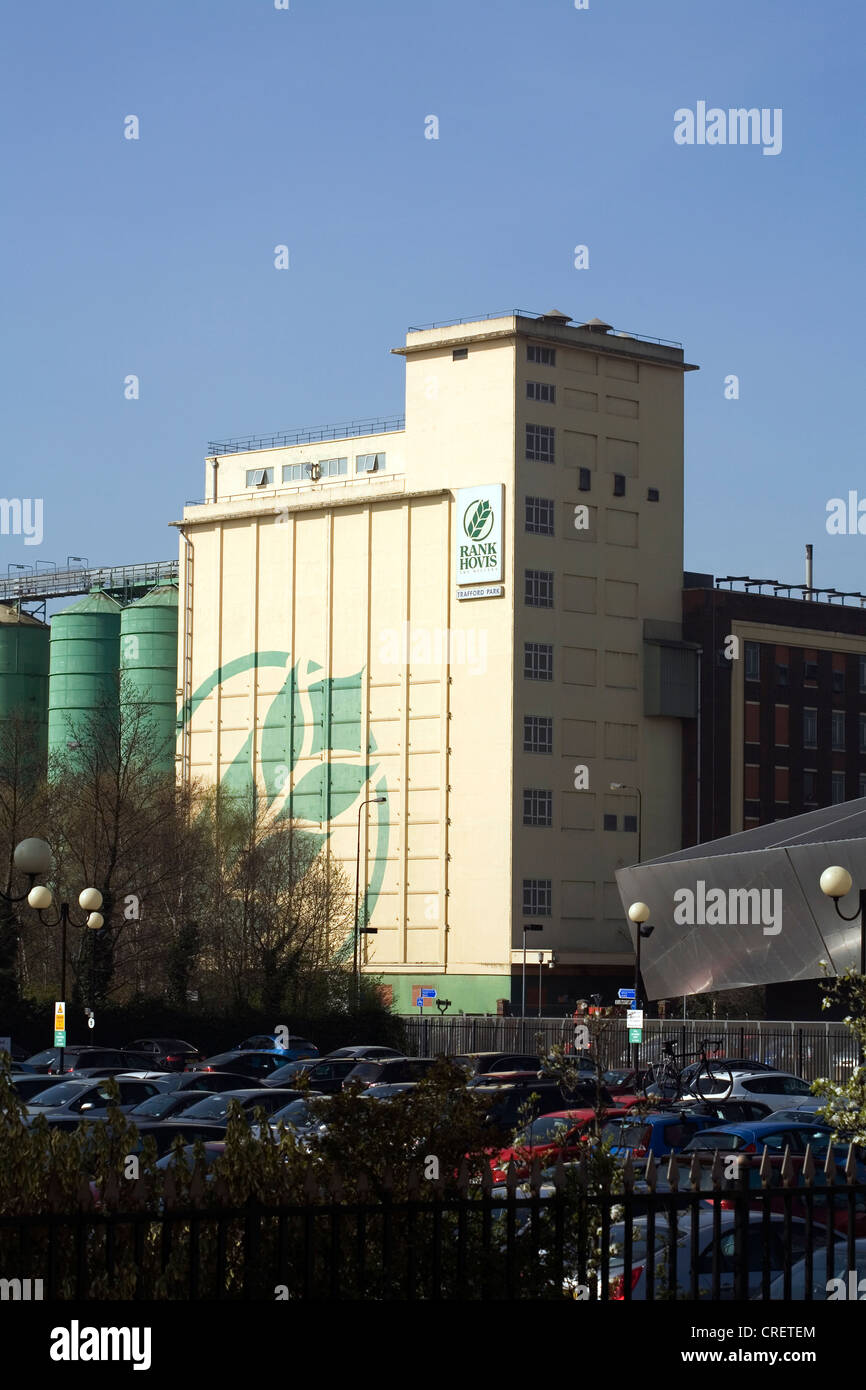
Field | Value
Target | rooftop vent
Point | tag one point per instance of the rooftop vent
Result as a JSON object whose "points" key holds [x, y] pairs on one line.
{"points": [[554, 316], [597, 326]]}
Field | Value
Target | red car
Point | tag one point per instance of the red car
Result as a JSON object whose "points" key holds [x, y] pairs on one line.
{"points": [[562, 1133]]}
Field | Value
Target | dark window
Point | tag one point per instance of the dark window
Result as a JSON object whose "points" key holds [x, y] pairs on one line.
{"points": [[810, 728], [538, 661], [863, 673], [837, 729], [459, 354], [545, 356], [837, 788], [753, 661], [619, 485], [610, 822], [537, 897], [538, 588], [652, 494], [629, 823], [810, 671], [584, 479], [537, 733], [539, 516], [810, 785], [541, 391], [838, 682], [781, 673], [863, 733], [537, 806], [540, 442]]}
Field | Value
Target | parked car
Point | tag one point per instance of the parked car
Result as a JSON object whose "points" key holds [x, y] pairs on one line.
{"points": [[769, 1238], [214, 1109], [659, 1133], [257, 1064], [288, 1074], [213, 1149], [293, 1049], [478, 1063], [518, 1103], [780, 1090], [328, 1075], [84, 1055], [165, 1104], [839, 1286], [29, 1084], [306, 1116], [761, 1134], [359, 1050], [77, 1100], [387, 1091], [166, 1054], [369, 1072], [210, 1081], [726, 1111], [560, 1133]]}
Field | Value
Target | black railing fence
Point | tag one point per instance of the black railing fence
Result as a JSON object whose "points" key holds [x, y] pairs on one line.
{"points": [[554, 1236], [809, 1050]]}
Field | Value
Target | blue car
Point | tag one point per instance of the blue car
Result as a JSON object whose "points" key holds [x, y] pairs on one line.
{"points": [[775, 1136], [660, 1134]]}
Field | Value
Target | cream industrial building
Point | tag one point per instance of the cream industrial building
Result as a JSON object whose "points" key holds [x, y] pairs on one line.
{"points": [[474, 612]]}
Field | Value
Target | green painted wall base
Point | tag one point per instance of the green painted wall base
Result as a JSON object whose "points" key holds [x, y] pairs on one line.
{"points": [[473, 994]]}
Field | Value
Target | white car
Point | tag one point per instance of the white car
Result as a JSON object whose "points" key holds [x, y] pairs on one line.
{"points": [[843, 1283], [777, 1089]]}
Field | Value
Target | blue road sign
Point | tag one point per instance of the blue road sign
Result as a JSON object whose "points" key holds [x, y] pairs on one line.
{"points": [[625, 994], [428, 994]]}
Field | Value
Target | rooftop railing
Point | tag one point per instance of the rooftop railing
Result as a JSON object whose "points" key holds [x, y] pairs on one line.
{"points": [[314, 434]]}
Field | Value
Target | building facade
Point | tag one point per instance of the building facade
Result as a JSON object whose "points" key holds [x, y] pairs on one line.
{"points": [[473, 612]]}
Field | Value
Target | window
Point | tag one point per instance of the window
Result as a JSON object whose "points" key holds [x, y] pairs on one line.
{"points": [[537, 733], [810, 672], [753, 661], [459, 354], [610, 822], [863, 673], [538, 661], [537, 897], [260, 477], [545, 356], [541, 391], [838, 679], [810, 728], [863, 733], [584, 479], [333, 468], [837, 729], [539, 516], [619, 485], [538, 588], [781, 673], [837, 787], [810, 785], [537, 807], [652, 494], [369, 463], [629, 823], [540, 443], [295, 472]]}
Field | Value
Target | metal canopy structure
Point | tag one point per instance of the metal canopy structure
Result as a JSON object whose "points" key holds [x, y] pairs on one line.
{"points": [[748, 909]]}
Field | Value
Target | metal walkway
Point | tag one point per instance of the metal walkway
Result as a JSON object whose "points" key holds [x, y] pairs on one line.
{"points": [[123, 582]]}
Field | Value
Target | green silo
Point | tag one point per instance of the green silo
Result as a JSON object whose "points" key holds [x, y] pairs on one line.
{"points": [[148, 660], [24, 642], [85, 652]]}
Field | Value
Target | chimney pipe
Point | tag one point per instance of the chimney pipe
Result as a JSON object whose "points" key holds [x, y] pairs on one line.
{"points": [[809, 595]]}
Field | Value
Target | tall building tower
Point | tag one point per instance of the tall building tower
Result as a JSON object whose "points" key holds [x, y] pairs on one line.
{"points": [[475, 613]]}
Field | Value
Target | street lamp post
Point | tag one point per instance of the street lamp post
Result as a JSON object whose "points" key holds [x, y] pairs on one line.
{"points": [[540, 964], [837, 883], [90, 901], [638, 913], [359, 930]]}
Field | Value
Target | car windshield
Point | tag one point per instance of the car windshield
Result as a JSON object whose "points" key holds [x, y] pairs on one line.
{"points": [[155, 1105], [710, 1140], [548, 1129], [213, 1108], [43, 1059], [298, 1114], [626, 1136], [58, 1095]]}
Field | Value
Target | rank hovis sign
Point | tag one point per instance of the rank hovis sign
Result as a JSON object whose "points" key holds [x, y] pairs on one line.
{"points": [[478, 550]]}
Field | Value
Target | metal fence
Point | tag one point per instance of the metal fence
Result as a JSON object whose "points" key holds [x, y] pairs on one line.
{"points": [[810, 1050], [794, 1238]]}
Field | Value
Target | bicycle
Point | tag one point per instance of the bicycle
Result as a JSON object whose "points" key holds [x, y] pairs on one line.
{"points": [[708, 1080]]}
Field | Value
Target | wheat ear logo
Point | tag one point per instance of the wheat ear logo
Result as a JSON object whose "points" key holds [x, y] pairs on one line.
{"points": [[478, 520], [306, 761]]}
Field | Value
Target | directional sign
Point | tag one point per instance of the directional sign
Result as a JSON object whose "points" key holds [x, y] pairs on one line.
{"points": [[428, 994], [625, 994]]}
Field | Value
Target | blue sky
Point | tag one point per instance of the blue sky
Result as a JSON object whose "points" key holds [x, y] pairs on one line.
{"points": [[306, 127]]}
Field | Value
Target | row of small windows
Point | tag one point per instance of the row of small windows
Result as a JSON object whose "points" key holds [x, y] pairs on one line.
{"points": [[538, 810], [810, 670], [838, 727], [322, 468], [541, 391], [544, 356]]}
